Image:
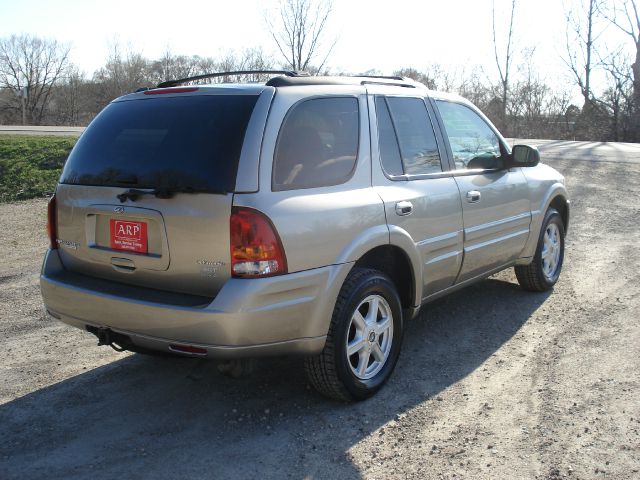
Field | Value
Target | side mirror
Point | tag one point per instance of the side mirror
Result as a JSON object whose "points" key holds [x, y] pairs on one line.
{"points": [[524, 156]]}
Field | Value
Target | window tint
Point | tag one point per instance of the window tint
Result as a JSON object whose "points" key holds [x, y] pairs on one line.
{"points": [[189, 142], [388, 144], [317, 144], [416, 138], [473, 143]]}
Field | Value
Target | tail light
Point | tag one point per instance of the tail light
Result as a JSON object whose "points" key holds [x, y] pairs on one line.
{"points": [[256, 249], [52, 222]]}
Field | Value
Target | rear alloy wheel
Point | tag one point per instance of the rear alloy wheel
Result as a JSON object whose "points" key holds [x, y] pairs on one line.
{"points": [[370, 337], [543, 272], [363, 343]]}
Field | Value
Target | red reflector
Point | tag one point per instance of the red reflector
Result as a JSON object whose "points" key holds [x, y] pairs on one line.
{"points": [[188, 349], [52, 222], [159, 91]]}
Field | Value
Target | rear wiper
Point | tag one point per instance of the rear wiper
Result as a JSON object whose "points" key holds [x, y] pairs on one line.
{"points": [[133, 193]]}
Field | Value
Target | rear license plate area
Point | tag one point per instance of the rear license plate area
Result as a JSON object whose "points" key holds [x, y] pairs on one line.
{"points": [[128, 235]]}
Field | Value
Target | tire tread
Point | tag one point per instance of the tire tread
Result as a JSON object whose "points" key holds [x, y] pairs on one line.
{"points": [[320, 369], [528, 278], [531, 277]]}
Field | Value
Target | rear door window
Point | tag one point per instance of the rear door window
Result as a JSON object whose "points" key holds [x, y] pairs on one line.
{"points": [[387, 141], [317, 145], [407, 140], [191, 142]]}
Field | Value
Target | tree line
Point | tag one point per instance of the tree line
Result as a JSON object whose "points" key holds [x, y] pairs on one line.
{"points": [[40, 85]]}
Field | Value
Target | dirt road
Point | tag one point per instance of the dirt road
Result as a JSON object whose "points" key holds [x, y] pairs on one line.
{"points": [[493, 382]]}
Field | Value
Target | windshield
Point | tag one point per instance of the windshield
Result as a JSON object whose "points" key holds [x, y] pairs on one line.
{"points": [[190, 142]]}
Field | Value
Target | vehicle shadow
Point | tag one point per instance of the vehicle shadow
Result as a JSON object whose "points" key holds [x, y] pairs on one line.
{"points": [[147, 417]]}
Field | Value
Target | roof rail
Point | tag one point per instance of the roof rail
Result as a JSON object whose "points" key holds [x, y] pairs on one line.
{"points": [[405, 84], [285, 81], [383, 77], [174, 83]]}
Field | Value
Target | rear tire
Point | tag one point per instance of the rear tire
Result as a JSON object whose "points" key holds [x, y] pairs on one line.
{"points": [[543, 272], [364, 338]]}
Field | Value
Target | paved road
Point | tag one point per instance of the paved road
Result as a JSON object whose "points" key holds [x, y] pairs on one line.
{"points": [[585, 151], [20, 130]]}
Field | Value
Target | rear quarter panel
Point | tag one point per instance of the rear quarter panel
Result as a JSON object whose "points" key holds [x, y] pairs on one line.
{"points": [[324, 225]]}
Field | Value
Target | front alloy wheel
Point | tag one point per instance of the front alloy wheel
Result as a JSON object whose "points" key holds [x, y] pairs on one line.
{"points": [[544, 270], [551, 248]]}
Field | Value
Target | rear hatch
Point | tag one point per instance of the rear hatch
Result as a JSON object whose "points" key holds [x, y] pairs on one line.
{"points": [[146, 194]]}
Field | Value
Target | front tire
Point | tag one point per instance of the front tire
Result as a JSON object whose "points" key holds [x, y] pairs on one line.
{"points": [[364, 338], [543, 272]]}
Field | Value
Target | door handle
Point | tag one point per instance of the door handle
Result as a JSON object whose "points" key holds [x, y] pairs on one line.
{"points": [[473, 196], [404, 208]]}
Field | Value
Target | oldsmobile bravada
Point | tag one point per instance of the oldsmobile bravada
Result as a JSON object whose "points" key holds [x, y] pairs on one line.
{"points": [[308, 215]]}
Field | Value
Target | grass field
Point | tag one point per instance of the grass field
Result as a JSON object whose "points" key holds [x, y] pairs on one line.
{"points": [[30, 165]]}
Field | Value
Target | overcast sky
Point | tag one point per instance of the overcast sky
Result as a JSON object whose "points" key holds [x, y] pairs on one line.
{"points": [[383, 35]]}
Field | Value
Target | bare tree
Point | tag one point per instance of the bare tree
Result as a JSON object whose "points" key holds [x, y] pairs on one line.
{"points": [[255, 59], [171, 67], [434, 77], [625, 14], [69, 99], [31, 66], [584, 28], [504, 70], [581, 37], [473, 86], [418, 76], [246, 60], [535, 109], [123, 73], [443, 78], [298, 31]]}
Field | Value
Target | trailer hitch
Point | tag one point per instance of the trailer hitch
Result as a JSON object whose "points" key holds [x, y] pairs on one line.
{"points": [[108, 337]]}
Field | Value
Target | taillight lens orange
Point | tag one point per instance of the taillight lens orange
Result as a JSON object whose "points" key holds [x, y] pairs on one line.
{"points": [[52, 222], [256, 249]]}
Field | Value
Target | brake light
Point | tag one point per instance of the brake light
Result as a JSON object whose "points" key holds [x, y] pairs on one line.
{"points": [[52, 222], [256, 249], [160, 91]]}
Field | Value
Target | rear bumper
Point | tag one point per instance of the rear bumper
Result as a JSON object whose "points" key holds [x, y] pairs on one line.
{"points": [[287, 314]]}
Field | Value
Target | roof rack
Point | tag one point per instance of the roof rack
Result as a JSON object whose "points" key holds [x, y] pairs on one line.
{"points": [[174, 83], [343, 80], [286, 78], [383, 77]]}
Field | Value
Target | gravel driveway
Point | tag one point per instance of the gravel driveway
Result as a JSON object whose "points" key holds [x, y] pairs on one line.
{"points": [[493, 382]]}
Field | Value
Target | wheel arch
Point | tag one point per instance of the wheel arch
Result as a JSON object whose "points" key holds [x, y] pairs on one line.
{"points": [[395, 263], [556, 197], [561, 204]]}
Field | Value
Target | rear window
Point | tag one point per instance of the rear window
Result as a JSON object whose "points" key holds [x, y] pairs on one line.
{"points": [[176, 142]]}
